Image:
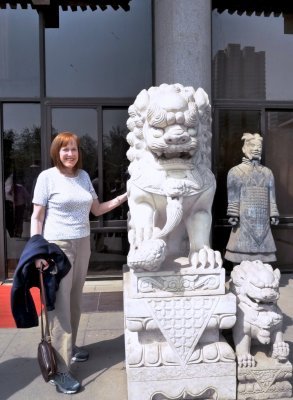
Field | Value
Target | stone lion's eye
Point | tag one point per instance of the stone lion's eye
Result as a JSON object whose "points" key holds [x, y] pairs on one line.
{"points": [[171, 119], [157, 133], [191, 131]]}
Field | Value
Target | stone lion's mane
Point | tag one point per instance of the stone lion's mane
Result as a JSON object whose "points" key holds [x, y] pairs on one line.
{"points": [[240, 276], [198, 116]]}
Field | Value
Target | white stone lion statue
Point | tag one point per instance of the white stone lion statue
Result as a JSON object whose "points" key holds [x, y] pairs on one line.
{"points": [[256, 286], [171, 188]]}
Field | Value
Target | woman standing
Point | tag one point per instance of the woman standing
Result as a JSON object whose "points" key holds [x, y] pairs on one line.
{"points": [[63, 198]]}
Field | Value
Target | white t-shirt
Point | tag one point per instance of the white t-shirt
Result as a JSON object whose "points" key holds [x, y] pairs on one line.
{"points": [[68, 202]]}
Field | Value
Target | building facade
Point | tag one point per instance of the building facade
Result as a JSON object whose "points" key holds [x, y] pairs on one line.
{"points": [[78, 65]]}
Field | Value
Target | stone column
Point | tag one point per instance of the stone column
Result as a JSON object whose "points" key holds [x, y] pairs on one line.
{"points": [[182, 42]]}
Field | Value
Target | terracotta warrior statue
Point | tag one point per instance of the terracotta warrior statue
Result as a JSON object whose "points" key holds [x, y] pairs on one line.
{"points": [[251, 206]]}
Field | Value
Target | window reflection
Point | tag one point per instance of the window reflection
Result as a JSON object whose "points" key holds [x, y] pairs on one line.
{"points": [[109, 244], [109, 252], [109, 240], [22, 149], [83, 122], [19, 53], [284, 242], [115, 163], [101, 57], [231, 126], [251, 57], [278, 156]]}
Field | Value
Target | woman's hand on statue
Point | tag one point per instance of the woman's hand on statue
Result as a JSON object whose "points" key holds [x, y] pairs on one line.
{"points": [[122, 198]]}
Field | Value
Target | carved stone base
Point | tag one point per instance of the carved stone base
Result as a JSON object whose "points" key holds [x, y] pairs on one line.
{"points": [[173, 341], [268, 380], [194, 382]]}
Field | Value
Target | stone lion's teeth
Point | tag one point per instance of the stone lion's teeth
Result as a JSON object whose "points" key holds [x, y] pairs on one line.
{"points": [[172, 155]]}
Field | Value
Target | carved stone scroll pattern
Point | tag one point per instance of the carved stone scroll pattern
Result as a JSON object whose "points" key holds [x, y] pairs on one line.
{"points": [[178, 283], [207, 394]]}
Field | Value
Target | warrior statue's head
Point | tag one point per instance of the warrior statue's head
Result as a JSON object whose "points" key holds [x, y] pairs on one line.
{"points": [[252, 147]]}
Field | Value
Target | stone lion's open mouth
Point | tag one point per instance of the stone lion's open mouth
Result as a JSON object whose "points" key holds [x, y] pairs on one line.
{"points": [[184, 155], [261, 302], [173, 152]]}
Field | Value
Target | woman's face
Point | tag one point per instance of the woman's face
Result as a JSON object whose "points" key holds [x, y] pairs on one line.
{"points": [[69, 154]]}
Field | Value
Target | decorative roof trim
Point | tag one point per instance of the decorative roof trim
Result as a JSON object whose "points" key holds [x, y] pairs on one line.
{"points": [[257, 7], [67, 5], [50, 8]]}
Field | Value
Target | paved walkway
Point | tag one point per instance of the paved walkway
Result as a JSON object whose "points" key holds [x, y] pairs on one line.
{"points": [[101, 332]]}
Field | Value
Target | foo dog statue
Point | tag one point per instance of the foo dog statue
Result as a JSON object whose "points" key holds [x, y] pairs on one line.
{"points": [[256, 286], [171, 189]]}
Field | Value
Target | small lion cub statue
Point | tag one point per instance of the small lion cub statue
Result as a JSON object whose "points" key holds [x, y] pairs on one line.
{"points": [[256, 286]]}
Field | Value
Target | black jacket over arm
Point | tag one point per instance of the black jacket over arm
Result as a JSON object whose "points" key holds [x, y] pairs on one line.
{"points": [[27, 275]]}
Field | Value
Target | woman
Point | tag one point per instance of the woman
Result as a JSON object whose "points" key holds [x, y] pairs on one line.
{"points": [[63, 198]]}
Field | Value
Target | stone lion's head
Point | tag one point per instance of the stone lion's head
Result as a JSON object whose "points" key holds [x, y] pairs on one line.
{"points": [[257, 283], [169, 128]]}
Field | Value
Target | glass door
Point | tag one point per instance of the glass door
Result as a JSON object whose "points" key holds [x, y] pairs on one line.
{"points": [[109, 232], [229, 127], [21, 165], [102, 131], [278, 157], [276, 127]]}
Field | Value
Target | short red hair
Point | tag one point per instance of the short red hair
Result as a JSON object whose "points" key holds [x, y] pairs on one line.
{"points": [[62, 140]]}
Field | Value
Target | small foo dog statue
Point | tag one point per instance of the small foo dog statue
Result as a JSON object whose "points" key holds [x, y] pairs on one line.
{"points": [[256, 286], [171, 188]]}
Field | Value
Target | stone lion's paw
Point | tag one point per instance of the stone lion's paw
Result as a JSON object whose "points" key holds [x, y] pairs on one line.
{"points": [[206, 258], [147, 256], [280, 351], [246, 360]]}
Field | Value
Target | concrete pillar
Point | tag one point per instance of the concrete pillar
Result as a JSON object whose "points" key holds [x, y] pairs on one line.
{"points": [[182, 41]]}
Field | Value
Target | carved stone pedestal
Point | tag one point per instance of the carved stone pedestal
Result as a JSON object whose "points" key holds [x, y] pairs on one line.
{"points": [[204, 382], [174, 348], [269, 379]]}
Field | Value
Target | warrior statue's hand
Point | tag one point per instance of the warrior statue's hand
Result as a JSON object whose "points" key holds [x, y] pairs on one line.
{"points": [[233, 221], [274, 220]]}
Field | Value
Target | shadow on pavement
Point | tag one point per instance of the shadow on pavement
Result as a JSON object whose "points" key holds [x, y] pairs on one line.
{"points": [[16, 374], [103, 355]]}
